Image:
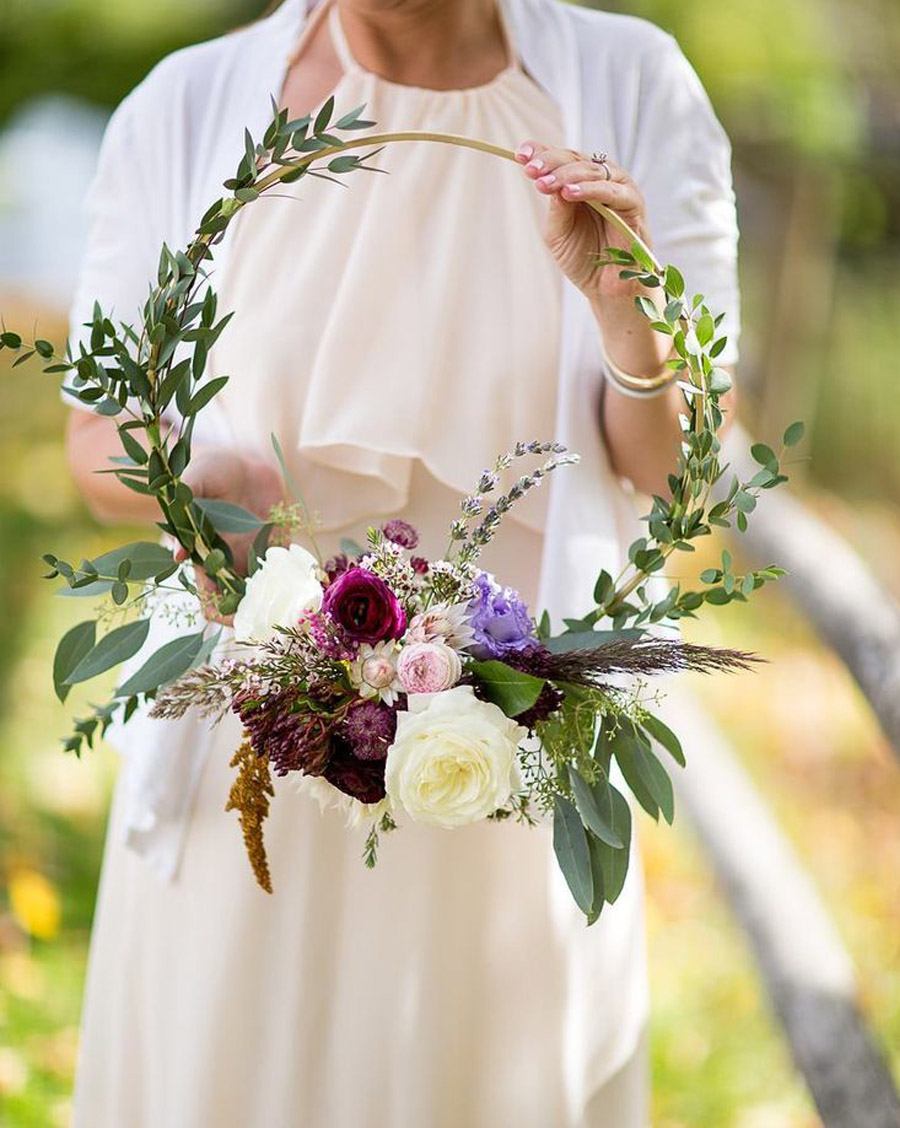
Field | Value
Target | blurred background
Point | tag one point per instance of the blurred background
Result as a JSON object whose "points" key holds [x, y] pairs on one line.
{"points": [[809, 91]]}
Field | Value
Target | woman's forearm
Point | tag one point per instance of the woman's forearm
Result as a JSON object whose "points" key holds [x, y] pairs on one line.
{"points": [[91, 441], [642, 436]]}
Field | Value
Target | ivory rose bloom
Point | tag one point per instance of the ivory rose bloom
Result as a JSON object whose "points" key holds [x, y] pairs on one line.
{"points": [[284, 586], [453, 760], [428, 667]]}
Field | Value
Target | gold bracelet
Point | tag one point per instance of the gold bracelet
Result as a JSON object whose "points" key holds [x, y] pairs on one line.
{"points": [[639, 386]]}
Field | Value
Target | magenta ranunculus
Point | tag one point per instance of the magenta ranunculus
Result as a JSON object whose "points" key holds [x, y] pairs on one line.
{"points": [[364, 605]]}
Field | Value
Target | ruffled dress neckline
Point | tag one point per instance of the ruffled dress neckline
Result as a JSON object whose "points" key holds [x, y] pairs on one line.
{"points": [[401, 328]]}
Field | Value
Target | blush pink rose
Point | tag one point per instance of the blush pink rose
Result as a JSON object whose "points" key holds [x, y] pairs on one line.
{"points": [[428, 667]]}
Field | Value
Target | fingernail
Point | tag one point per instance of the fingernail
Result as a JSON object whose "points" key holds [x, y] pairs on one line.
{"points": [[572, 189], [536, 165], [525, 151], [546, 181]]}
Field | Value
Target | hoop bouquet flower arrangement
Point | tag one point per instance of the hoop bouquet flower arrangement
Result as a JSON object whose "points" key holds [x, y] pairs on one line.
{"points": [[403, 687]]}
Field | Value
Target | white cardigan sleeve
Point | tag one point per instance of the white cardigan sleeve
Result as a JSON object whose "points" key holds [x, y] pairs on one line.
{"points": [[681, 160], [122, 252]]}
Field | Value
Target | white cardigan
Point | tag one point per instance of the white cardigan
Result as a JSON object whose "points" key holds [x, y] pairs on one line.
{"points": [[623, 86]]}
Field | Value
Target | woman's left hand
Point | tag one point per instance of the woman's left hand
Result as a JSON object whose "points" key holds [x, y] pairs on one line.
{"points": [[575, 233]]}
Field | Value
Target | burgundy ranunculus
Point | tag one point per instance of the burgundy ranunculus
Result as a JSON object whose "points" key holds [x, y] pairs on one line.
{"points": [[361, 779], [364, 606]]}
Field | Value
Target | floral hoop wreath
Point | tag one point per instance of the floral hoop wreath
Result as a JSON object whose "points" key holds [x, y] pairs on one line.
{"points": [[139, 374]]}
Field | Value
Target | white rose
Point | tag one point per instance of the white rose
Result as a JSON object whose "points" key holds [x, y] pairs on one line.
{"points": [[454, 758], [284, 586]]}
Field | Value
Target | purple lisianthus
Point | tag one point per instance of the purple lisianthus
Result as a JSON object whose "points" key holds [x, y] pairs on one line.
{"points": [[364, 606], [499, 619]]}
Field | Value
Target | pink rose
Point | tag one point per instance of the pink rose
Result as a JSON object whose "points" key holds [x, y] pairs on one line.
{"points": [[428, 667]]}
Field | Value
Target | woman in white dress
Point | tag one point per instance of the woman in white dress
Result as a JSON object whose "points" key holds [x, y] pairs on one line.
{"points": [[396, 335]]}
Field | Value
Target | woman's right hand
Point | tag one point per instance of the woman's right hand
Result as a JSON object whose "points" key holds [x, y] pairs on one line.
{"points": [[222, 475]]}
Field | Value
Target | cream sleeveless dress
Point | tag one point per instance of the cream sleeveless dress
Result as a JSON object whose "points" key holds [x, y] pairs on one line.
{"points": [[396, 334]]}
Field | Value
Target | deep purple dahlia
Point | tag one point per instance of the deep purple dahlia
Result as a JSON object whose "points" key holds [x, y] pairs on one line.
{"points": [[500, 620], [360, 779], [364, 606]]}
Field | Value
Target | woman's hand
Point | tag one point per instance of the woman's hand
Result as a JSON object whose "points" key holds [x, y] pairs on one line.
{"points": [[222, 475], [574, 231]]}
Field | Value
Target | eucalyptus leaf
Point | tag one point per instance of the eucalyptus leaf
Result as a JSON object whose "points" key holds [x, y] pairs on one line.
{"points": [[164, 665], [614, 863], [661, 732], [588, 640], [228, 518], [648, 779], [570, 845], [74, 645], [594, 818], [115, 647]]}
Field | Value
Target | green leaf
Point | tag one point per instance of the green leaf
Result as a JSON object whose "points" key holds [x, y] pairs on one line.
{"points": [[570, 845], [587, 640], [204, 394], [661, 732], [323, 117], [164, 665], [209, 644], [511, 689], [595, 851], [258, 549], [765, 456], [113, 648], [603, 588], [719, 381], [794, 433], [345, 163], [146, 557], [74, 645], [705, 329], [648, 779], [594, 815], [228, 518], [744, 502], [674, 282], [614, 863], [350, 547]]}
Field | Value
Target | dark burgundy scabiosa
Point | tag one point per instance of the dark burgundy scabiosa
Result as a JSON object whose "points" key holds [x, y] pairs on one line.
{"points": [[360, 779], [369, 729], [292, 741], [363, 605], [419, 565], [400, 532]]}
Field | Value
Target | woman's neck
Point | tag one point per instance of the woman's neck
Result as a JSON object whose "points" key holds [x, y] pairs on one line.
{"points": [[440, 44]]}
